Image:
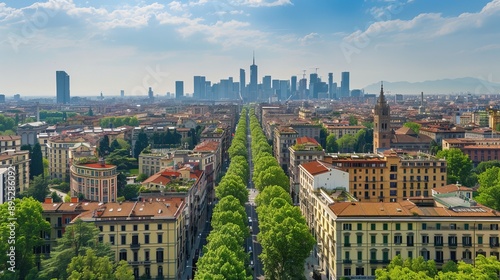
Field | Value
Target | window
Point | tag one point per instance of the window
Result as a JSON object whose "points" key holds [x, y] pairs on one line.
{"points": [[480, 226], [425, 239], [439, 256], [373, 239], [453, 226], [146, 255], [123, 255], [479, 240], [438, 240], [360, 270], [385, 227], [359, 226], [123, 228], [385, 239], [466, 241], [452, 240], [123, 240], [135, 227], [347, 255], [359, 239], [373, 255], [424, 226], [146, 227], [410, 254], [111, 228], [494, 227], [438, 226], [159, 255], [466, 226], [347, 226], [160, 226], [398, 239], [398, 226], [160, 238], [385, 256], [100, 228], [347, 271], [146, 238], [346, 241], [360, 256], [372, 226], [409, 240], [494, 241], [112, 239]]}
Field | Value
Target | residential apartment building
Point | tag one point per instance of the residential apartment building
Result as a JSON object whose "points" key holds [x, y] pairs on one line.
{"points": [[305, 150], [341, 130], [95, 181], [20, 161], [284, 138], [10, 142], [151, 163], [356, 238], [391, 177], [478, 150], [59, 153], [148, 234], [443, 131]]}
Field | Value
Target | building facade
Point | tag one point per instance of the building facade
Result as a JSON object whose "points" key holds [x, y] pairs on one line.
{"points": [[62, 87], [94, 181], [284, 138], [20, 161], [10, 142], [382, 132]]}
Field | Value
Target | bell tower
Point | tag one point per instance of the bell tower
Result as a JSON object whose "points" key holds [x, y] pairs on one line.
{"points": [[382, 132]]}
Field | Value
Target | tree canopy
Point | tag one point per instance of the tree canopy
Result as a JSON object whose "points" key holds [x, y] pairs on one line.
{"points": [[459, 166]]}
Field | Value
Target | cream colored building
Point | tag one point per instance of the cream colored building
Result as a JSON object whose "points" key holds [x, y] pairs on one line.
{"points": [[151, 163], [150, 235], [10, 142], [58, 154], [356, 238], [20, 160], [96, 181], [391, 176]]}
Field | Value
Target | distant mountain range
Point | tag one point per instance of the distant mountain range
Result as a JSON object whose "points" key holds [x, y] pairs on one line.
{"points": [[445, 86]]}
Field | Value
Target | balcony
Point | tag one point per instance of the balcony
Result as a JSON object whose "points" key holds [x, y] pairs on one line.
{"points": [[135, 246], [346, 261], [347, 244], [494, 245], [379, 261]]}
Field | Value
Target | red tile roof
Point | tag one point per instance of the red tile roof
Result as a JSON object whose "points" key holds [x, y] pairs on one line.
{"points": [[307, 140], [315, 167]]}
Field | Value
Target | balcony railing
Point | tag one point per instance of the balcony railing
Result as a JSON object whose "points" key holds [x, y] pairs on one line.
{"points": [[346, 261], [135, 246]]}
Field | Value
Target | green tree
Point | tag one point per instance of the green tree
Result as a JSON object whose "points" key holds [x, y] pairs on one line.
{"points": [[6, 123], [90, 113], [270, 193], [232, 185], [483, 166], [39, 188], [459, 165], [104, 146], [331, 144], [274, 175], [140, 144], [130, 191], [115, 145], [221, 263], [141, 177], [90, 266], [413, 126], [435, 147], [346, 143], [450, 266], [353, 120], [36, 161], [55, 197], [323, 134], [75, 241], [489, 190], [28, 225]]}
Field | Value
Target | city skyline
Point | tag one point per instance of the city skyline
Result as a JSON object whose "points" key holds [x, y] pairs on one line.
{"points": [[131, 46]]}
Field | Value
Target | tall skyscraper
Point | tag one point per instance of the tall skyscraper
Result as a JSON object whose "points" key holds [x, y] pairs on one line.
{"points": [[293, 87], [243, 85], [151, 95], [331, 90], [344, 85], [62, 87], [122, 93], [199, 89], [179, 89], [253, 86]]}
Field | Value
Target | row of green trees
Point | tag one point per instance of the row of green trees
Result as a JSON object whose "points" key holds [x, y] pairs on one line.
{"points": [[284, 236], [483, 268], [118, 121], [224, 255], [361, 142]]}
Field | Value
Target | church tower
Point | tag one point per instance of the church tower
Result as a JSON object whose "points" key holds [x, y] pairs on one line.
{"points": [[382, 132]]}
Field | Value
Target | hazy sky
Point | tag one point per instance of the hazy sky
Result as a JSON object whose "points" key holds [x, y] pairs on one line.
{"points": [[131, 45]]}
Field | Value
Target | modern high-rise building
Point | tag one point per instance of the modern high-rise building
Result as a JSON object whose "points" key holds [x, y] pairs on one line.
{"points": [[243, 85], [151, 95], [331, 90], [62, 87], [253, 86], [122, 93], [179, 89], [293, 87], [199, 89], [344, 85]]}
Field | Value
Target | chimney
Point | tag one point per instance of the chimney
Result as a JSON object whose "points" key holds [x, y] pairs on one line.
{"points": [[49, 200], [74, 199]]}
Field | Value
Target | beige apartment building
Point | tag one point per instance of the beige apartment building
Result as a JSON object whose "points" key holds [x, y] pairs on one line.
{"points": [[356, 238], [150, 234], [20, 160], [58, 154], [95, 181], [391, 176], [10, 142]]}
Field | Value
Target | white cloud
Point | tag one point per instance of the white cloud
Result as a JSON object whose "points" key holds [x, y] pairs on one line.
{"points": [[309, 38], [260, 3]]}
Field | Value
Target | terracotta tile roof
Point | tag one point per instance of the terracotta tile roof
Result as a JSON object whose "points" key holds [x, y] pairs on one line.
{"points": [[307, 140], [451, 188], [315, 167], [98, 165], [9, 137], [405, 130], [207, 146]]}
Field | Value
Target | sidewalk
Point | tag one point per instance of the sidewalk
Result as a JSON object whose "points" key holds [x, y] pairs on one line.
{"points": [[188, 270]]}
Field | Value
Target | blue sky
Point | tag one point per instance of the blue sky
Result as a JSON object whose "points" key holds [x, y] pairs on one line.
{"points": [[131, 45]]}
